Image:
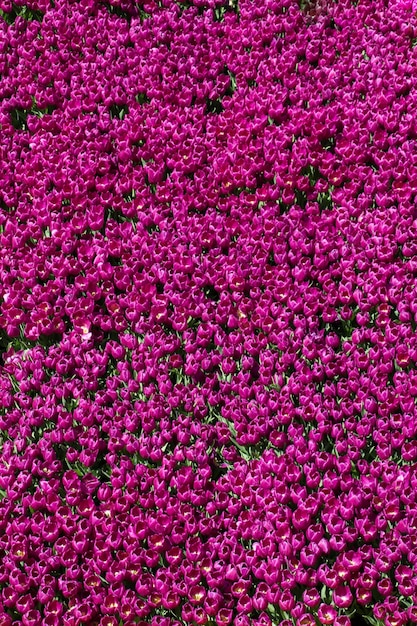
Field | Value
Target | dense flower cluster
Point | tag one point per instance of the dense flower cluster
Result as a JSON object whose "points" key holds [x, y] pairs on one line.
{"points": [[208, 308]]}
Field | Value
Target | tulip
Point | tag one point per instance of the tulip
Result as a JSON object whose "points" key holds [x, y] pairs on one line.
{"points": [[342, 596], [326, 614], [311, 597], [306, 620], [224, 616]]}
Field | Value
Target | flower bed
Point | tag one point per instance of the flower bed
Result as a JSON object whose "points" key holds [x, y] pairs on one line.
{"points": [[208, 258]]}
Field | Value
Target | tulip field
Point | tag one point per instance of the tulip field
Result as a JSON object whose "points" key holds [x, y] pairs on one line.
{"points": [[208, 312]]}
